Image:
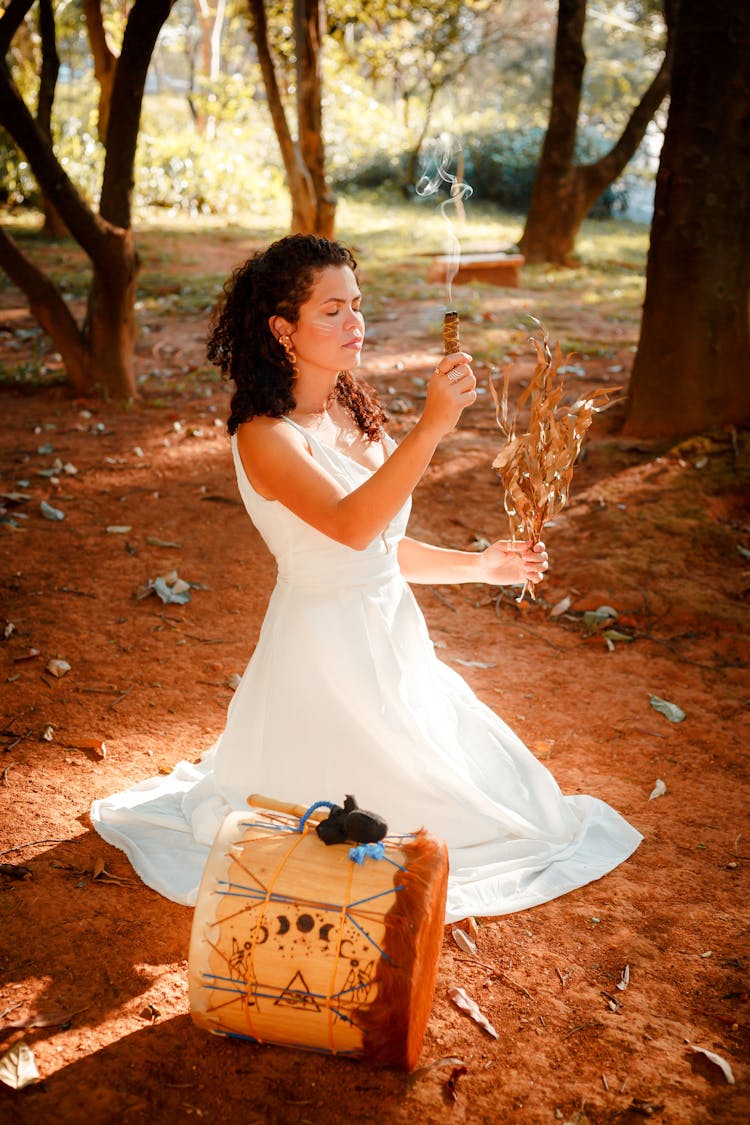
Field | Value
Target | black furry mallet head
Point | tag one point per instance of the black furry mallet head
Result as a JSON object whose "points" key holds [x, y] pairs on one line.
{"points": [[351, 824]]}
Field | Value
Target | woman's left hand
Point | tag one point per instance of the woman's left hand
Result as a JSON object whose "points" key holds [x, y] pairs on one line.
{"points": [[506, 563]]}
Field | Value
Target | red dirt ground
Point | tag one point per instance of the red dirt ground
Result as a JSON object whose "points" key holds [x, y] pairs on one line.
{"points": [[93, 964]]}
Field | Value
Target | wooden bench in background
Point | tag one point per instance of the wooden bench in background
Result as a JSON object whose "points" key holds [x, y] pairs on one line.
{"points": [[494, 267]]}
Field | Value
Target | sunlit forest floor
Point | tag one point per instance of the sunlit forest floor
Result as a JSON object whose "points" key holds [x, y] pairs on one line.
{"points": [[605, 1001]]}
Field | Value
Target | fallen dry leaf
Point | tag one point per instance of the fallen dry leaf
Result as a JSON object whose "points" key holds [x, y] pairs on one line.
{"points": [[57, 667], [446, 1060], [472, 1009], [463, 941], [646, 1109], [670, 711], [452, 1083], [717, 1060], [18, 1067], [94, 747]]}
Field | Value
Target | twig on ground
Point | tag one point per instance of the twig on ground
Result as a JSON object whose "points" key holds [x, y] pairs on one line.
{"points": [[581, 1027], [442, 598], [33, 844], [17, 738], [123, 695]]}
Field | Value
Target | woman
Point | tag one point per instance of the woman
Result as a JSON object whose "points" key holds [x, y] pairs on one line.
{"points": [[344, 693]]}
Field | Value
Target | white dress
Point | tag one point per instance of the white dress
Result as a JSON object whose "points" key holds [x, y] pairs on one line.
{"points": [[344, 694]]}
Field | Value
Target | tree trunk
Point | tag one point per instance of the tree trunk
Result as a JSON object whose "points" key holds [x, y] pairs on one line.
{"points": [[100, 354], [110, 328], [308, 34], [49, 308], [312, 206], [211, 25], [105, 61], [692, 368], [53, 226], [564, 192], [555, 189]]}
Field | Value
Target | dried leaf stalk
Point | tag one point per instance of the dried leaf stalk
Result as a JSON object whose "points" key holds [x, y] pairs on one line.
{"points": [[536, 467]]}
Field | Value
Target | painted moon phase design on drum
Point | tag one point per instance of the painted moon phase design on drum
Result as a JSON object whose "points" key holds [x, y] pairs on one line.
{"points": [[305, 923], [283, 924], [325, 931], [262, 940]]}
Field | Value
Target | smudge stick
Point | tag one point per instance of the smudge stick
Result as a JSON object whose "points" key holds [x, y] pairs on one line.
{"points": [[451, 340]]}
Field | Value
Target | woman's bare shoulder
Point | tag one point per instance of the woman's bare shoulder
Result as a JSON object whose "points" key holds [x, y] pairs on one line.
{"points": [[263, 432]]}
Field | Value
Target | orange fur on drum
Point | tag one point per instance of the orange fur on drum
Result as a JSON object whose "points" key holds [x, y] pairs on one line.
{"points": [[294, 943]]}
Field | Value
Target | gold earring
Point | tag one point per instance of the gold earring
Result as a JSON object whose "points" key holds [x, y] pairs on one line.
{"points": [[291, 355]]}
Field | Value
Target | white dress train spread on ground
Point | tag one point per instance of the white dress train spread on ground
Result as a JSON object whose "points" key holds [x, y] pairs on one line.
{"points": [[344, 694]]}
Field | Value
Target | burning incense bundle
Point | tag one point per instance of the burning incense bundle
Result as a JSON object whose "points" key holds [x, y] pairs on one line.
{"points": [[451, 340], [536, 467]]}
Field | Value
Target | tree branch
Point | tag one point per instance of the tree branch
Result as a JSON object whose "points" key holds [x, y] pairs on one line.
{"points": [[259, 28], [609, 166], [13, 17], [45, 301], [50, 67], [104, 58], [141, 32], [83, 223], [567, 84]]}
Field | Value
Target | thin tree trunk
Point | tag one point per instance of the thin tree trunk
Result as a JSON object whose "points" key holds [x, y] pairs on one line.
{"points": [[53, 226], [555, 188], [211, 26], [105, 61], [145, 21], [49, 308], [692, 368], [564, 192], [110, 328], [308, 34], [299, 180], [101, 353]]}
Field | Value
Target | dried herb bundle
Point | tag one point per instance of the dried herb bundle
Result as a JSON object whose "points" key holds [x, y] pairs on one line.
{"points": [[536, 467], [451, 338]]}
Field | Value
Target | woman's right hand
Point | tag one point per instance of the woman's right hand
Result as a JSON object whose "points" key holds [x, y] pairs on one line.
{"points": [[450, 390]]}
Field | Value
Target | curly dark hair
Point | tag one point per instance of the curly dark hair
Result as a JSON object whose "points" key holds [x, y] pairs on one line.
{"points": [[276, 282]]}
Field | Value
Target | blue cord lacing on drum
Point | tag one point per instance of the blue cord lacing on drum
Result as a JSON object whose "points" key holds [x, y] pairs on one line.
{"points": [[367, 851], [318, 805]]}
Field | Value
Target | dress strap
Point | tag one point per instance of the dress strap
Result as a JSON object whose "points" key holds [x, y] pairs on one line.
{"points": [[300, 429]]}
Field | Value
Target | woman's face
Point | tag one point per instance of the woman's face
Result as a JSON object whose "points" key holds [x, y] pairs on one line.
{"points": [[330, 327]]}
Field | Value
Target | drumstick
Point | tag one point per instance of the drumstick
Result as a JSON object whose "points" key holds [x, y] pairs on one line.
{"points": [[257, 800]]}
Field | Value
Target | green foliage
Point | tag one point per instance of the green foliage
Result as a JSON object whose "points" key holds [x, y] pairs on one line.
{"points": [[17, 184], [202, 177], [499, 165], [381, 60]]}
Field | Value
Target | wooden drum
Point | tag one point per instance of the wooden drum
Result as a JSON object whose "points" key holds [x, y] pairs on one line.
{"points": [[295, 943]]}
